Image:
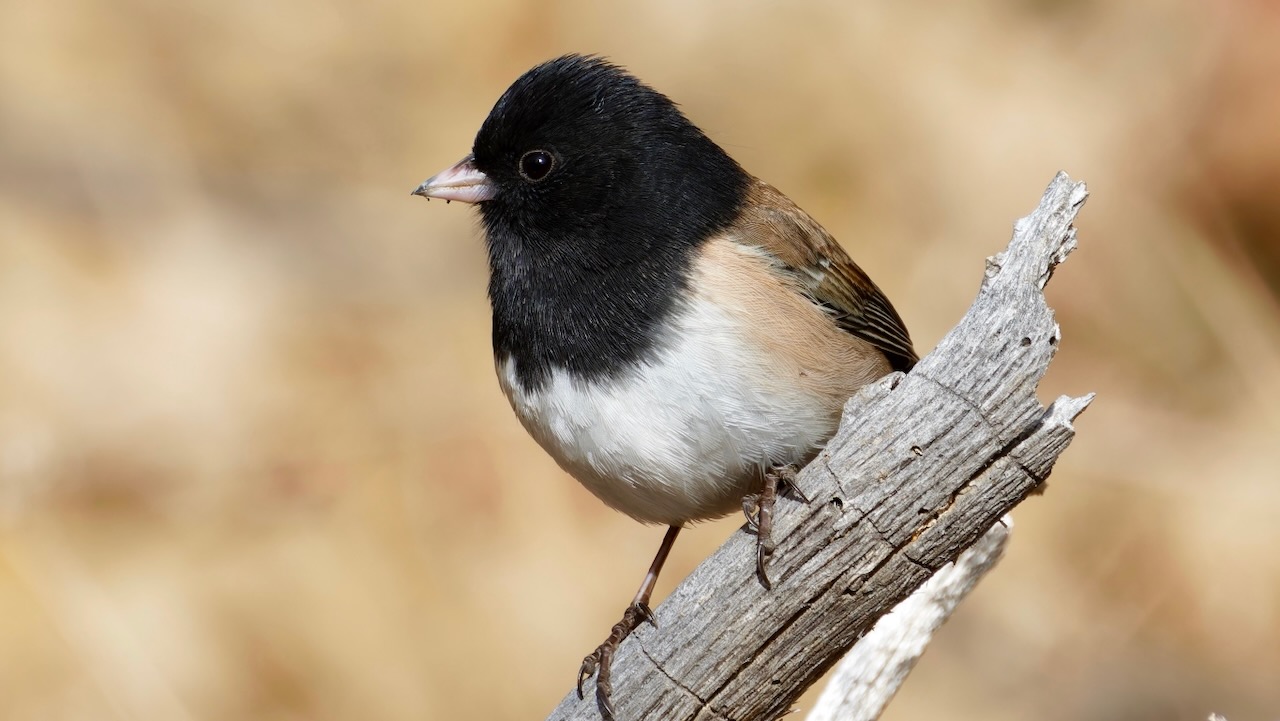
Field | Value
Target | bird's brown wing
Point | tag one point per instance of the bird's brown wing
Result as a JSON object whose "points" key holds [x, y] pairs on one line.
{"points": [[823, 271]]}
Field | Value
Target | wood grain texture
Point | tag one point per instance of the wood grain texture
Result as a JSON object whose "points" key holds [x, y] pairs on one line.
{"points": [[869, 675], [922, 466]]}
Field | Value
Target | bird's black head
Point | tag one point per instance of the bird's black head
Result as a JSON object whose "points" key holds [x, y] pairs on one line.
{"points": [[581, 153], [595, 191]]}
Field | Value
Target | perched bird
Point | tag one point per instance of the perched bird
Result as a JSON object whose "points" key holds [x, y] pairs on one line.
{"points": [[676, 333]]}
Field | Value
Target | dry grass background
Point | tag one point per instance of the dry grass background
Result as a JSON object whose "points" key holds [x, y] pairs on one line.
{"points": [[253, 460]]}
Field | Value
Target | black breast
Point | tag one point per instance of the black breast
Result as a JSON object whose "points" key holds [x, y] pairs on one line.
{"points": [[572, 306]]}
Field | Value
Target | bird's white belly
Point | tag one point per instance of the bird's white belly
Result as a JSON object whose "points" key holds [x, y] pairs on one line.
{"points": [[684, 436]]}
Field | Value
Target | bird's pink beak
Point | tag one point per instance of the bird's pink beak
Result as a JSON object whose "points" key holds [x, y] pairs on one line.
{"points": [[462, 182]]}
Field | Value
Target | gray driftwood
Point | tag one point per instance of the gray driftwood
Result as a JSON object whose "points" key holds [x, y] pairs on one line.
{"points": [[922, 466], [867, 678]]}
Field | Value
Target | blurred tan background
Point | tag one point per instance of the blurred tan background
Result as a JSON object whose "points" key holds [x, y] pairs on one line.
{"points": [[254, 463]]}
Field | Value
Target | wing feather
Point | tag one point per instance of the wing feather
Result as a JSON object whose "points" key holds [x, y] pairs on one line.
{"points": [[824, 272]]}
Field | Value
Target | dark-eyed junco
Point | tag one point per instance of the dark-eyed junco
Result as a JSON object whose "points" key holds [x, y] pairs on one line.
{"points": [[674, 332]]}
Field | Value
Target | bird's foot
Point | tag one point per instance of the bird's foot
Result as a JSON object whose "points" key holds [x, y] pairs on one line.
{"points": [[759, 512], [600, 662], [788, 483]]}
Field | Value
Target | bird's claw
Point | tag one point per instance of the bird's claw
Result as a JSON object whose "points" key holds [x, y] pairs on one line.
{"points": [[758, 509], [588, 668], [751, 509], [788, 484], [599, 663]]}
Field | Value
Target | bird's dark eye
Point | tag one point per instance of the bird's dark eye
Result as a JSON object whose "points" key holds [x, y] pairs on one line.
{"points": [[536, 164]]}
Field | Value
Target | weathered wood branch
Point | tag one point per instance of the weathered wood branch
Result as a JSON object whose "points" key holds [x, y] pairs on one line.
{"points": [[922, 466], [867, 678]]}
